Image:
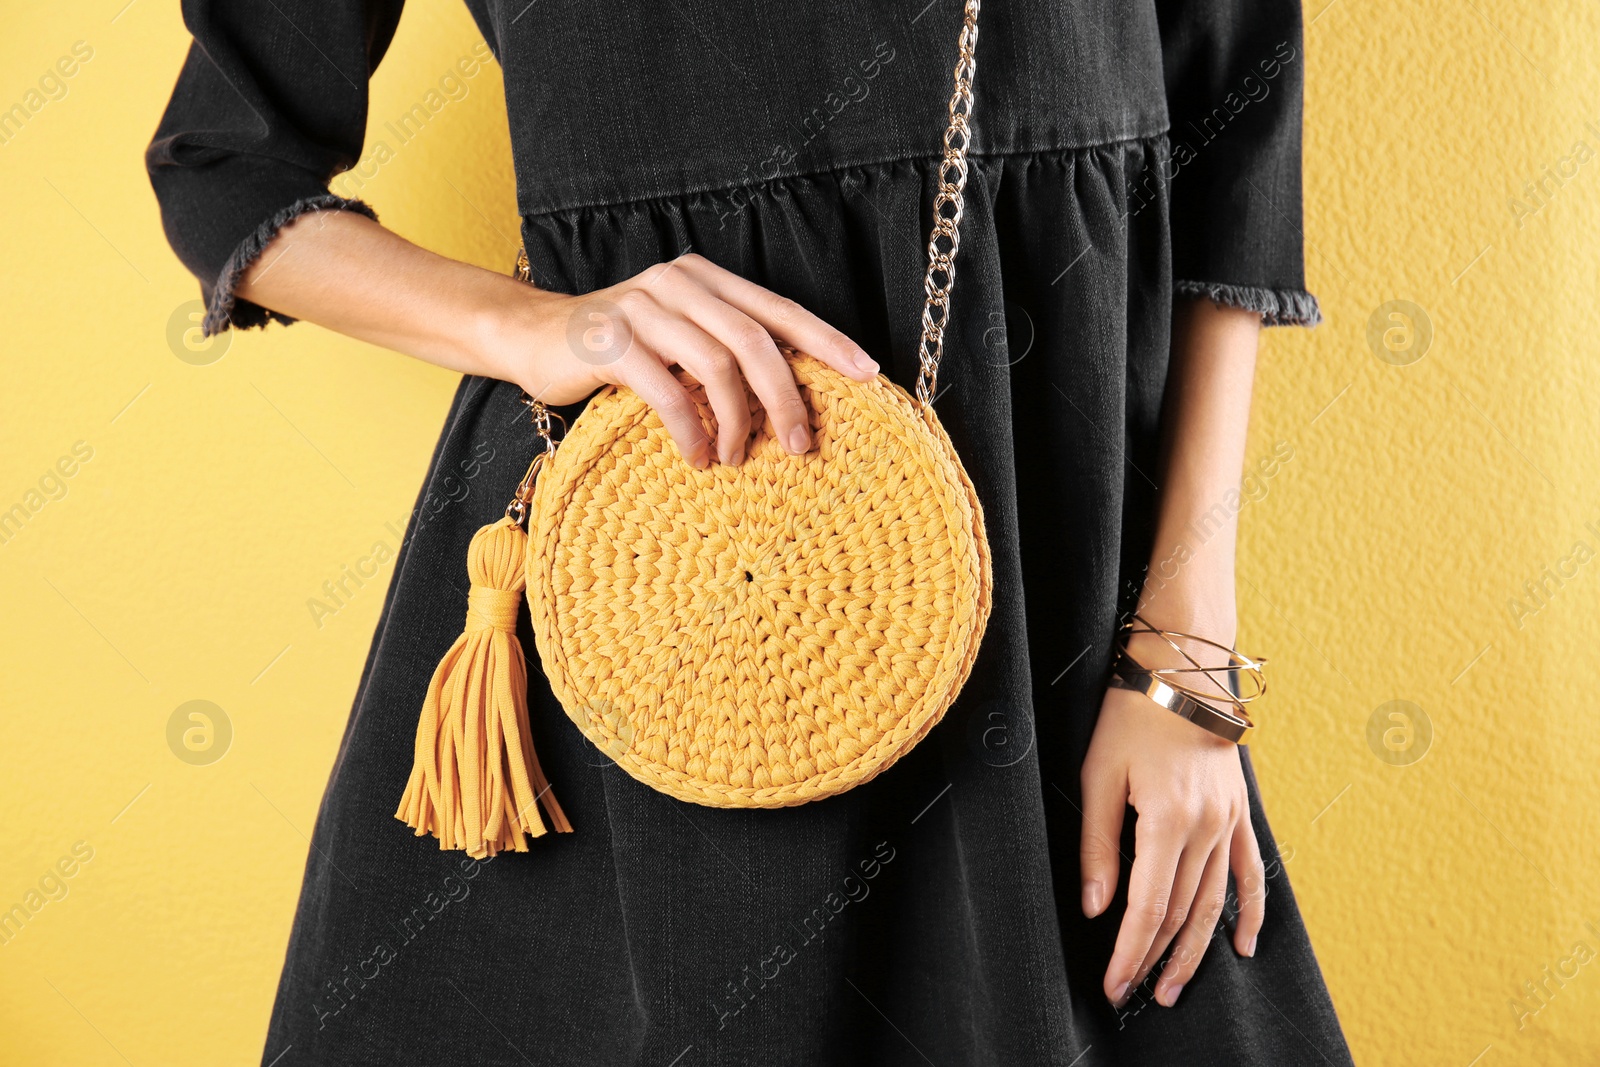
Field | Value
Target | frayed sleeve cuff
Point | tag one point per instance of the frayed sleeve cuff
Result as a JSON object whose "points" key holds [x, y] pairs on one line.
{"points": [[1277, 307], [223, 308]]}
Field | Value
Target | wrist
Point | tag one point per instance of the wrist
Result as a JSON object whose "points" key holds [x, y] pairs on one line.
{"points": [[509, 335], [1212, 622], [1212, 615]]}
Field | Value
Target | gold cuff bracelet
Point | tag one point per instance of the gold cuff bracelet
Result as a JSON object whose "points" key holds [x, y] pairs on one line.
{"points": [[1239, 682]]}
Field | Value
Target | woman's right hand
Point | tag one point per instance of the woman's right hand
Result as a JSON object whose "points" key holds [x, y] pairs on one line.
{"points": [[689, 313]]}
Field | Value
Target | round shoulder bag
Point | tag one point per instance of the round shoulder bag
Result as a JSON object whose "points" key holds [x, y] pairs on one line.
{"points": [[750, 636]]}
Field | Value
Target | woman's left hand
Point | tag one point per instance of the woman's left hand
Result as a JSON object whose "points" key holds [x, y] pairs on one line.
{"points": [[1188, 789]]}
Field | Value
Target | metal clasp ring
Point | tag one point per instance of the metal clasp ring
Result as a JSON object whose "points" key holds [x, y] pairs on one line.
{"points": [[517, 510]]}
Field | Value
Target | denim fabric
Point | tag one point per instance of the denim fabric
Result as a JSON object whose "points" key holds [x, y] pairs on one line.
{"points": [[931, 915], [611, 101]]}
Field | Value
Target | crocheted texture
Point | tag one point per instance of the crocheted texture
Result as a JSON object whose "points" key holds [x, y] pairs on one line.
{"points": [[767, 634]]}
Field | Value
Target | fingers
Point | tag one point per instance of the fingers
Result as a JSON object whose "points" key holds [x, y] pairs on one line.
{"points": [[1194, 906], [1250, 882], [762, 364], [679, 341], [681, 286], [721, 328], [643, 371], [1158, 845], [1209, 895], [1105, 800], [784, 319], [1180, 905]]}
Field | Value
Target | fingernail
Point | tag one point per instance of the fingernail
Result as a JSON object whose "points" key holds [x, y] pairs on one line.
{"points": [[1120, 997], [737, 457], [1169, 996], [698, 458], [1094, 896], [1250, 946], [799, 440], [867, 364]]}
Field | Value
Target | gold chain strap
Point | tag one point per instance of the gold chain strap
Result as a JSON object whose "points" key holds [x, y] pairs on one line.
{"points": [[536, 407], [517, 510], [945, 240]]}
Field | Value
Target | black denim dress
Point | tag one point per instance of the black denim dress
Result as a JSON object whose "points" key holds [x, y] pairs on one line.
{"points": [[1126, 154]]}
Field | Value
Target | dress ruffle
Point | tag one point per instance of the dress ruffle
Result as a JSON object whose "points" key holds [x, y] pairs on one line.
{"points": [[1277, 307]]}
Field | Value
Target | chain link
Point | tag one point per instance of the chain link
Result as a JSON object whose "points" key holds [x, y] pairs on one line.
{"points": [[541, 415], [948, 206], [536, 407]]}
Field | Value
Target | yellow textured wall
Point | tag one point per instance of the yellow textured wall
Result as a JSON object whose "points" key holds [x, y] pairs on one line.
{"points": [[1445, 859]]}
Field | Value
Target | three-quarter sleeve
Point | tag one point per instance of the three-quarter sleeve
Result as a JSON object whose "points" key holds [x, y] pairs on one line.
{"points": [[271, 103], [1235, 71]]}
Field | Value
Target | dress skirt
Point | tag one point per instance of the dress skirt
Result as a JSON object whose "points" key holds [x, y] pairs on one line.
{"points": [[930, 916]]}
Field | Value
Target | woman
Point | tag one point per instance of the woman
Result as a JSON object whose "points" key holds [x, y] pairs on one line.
{"points": [[721, 176]]}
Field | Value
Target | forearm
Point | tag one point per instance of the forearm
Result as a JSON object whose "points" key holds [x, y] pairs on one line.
{"points": [[1190, 583], [347, 273]]}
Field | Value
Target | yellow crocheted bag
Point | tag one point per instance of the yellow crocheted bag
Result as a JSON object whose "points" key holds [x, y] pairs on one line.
{"points": [[749, 636], [767, 634]]}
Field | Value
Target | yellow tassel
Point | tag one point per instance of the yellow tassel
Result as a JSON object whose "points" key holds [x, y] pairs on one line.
{"points": [[476, 783]]}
